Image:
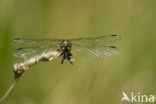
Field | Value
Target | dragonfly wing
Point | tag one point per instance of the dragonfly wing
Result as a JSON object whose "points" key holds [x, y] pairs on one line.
{"points": [[96, 52], [29, 52], [27, 48], [36, 42], [96, 41]]}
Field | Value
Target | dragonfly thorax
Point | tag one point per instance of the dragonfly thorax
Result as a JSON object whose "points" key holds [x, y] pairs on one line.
{"points": [[65, 46]]}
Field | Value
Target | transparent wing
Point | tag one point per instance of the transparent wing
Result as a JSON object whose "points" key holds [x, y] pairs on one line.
{"points": [[27, 48], [95, 41], [95, 47], [96, 52], [29, 52], [36, 42]]}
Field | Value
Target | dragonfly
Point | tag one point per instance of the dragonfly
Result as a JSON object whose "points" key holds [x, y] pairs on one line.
{"points": [[97, 47]]}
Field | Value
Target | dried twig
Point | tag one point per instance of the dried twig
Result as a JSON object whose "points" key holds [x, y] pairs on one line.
{"points": [[19, 68], [8, 91]]}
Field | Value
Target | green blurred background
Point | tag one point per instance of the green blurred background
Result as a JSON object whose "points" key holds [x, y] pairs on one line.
{"points": [[88, 81]]}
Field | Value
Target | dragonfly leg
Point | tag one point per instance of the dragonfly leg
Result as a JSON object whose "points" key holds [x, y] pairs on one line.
{"points": [[69, 58], [71, 62], [62, 54], [63, 57], [62, 60]]}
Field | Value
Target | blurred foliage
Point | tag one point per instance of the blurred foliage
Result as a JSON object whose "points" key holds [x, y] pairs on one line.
{"points": [[88, 81]]}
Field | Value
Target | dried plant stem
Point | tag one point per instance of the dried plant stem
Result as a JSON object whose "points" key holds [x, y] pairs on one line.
{"points": [[19, 68], [8, 91]]}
